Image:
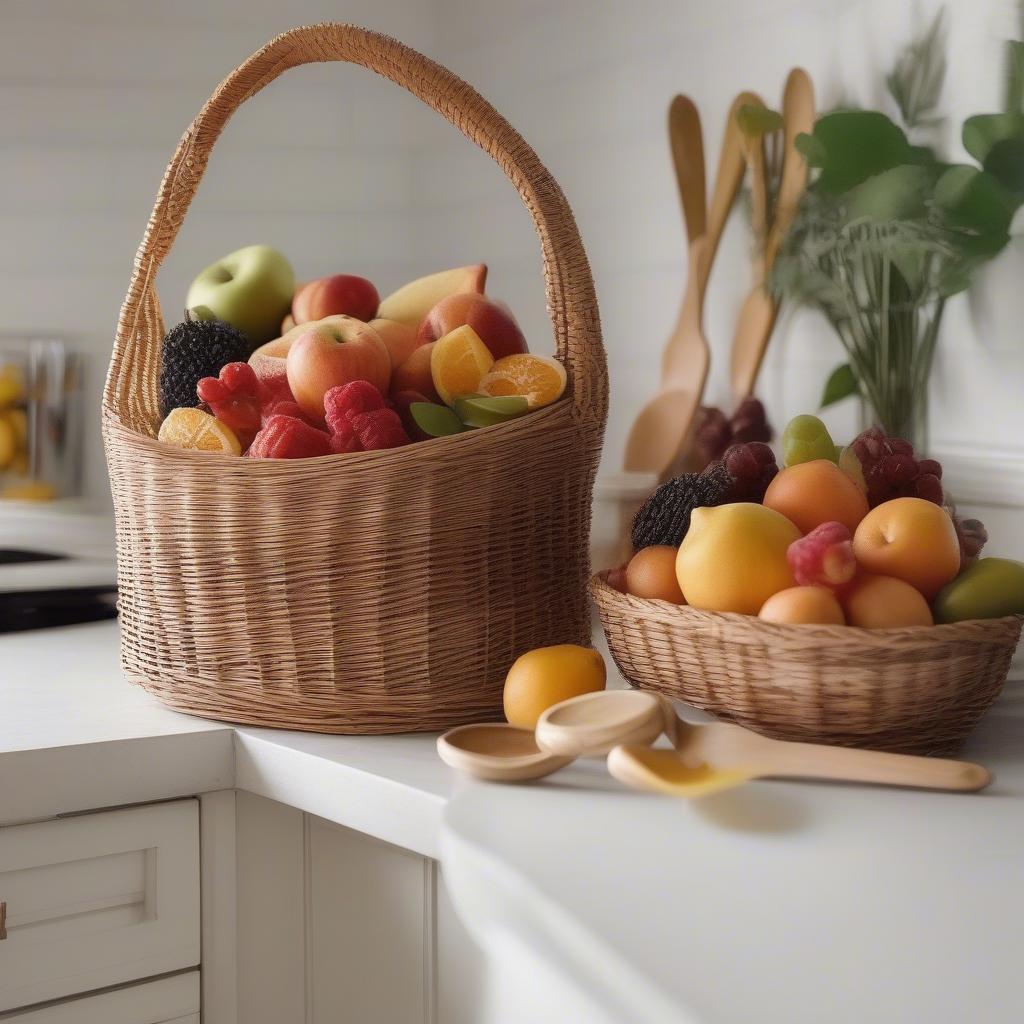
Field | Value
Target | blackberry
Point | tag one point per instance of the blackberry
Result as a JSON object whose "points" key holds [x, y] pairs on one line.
{"points": [[198, 347], [665, 517]]}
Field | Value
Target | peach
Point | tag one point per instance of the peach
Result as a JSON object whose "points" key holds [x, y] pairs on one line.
{"points": [[651, 573], [414, 374], [332, 352], [797, 605], [330, 296], [492, 321], [811, 493], [271, 369], [411, 303], [400, 339], [884, 602], [912, 539], [287, 324]]}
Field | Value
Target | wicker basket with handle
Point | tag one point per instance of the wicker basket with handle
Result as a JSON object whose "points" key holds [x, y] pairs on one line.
{"points": [[917, 690], [374, 592]]}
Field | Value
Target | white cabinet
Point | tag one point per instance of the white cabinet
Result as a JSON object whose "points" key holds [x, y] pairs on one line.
{"points": [[173, 1000], [334, 925], [98, 900]]}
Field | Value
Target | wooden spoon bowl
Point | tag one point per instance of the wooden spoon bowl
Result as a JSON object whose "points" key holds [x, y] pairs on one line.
{"points": [[497, 752]]}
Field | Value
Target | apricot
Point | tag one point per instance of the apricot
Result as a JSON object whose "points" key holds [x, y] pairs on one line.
{"points": [[733, 557], [400, 339], [651, 573], [884, 602], [811, 493], [912, 539], [546, 676], [414, 374], [799, 605]]}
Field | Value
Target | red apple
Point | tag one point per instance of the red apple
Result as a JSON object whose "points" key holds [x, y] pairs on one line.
{"points": [[329, 296], [492, 321], [332, 352], [399, 338]]}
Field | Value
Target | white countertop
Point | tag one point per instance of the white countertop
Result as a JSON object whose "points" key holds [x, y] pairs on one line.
{"points": [[776, 902]]}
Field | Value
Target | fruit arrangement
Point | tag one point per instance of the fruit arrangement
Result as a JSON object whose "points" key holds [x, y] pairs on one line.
{"points": [[860, 536], [267, 369]]}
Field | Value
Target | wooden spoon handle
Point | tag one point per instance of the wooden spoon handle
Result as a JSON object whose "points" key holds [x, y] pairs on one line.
{"points": [[811, 761], [687, 142]]}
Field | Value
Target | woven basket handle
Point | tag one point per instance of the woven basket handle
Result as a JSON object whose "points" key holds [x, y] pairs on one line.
{"points": [[572, 305]]}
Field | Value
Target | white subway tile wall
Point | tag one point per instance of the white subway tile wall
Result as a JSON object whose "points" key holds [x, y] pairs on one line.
{"points": [[345, 172]]}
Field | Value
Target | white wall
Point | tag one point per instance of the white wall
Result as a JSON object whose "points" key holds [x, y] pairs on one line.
{"points": [[94, 96], [345, 172]]}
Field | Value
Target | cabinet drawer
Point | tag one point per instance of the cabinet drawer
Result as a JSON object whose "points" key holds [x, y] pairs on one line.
{"points": [[166, 1001], [98, 900]]}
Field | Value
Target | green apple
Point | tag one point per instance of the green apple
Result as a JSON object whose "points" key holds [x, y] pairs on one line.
{"points": [[251, 289], [991, 588]]}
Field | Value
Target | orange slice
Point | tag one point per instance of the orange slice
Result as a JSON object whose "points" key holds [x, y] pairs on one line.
{"points": [[199, 431], [457, 363], [539, 379]]}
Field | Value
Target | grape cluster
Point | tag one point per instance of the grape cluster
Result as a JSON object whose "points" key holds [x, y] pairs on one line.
{"points": [[891, 470], [715, 431], [749, 468]]}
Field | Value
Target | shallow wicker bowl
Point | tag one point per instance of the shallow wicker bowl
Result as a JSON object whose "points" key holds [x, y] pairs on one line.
{"points": [[916, 690]]}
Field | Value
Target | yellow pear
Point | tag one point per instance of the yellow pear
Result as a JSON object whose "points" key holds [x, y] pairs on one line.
{"points": [[733, 558]]}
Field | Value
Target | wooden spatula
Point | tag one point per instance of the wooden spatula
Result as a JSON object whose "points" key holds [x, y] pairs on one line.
{"points": [[759, 311]]}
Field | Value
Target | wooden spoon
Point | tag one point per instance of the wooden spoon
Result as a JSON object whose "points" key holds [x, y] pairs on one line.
{"points": [[594, 723], [738, 755], [759, 311], [686, 140], [498, 752]]}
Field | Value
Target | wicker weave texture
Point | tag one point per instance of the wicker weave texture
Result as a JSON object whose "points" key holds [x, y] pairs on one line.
{"points": [[376, 592], [919, 690]]}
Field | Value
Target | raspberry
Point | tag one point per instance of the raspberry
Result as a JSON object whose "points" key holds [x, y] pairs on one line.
{"points": [[349, 400], [235, 398], [285, 437], [378, 429], [284, 407], [824, 558]]}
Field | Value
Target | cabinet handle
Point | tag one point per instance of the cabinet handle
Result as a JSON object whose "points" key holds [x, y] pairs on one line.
{"points": [[3, 920]]}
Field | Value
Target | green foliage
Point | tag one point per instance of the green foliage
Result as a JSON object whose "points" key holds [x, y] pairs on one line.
{"points": [[841, 383], [758, 120], [915, 83]]}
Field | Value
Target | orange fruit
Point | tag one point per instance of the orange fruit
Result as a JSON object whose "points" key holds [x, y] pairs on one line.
{"points": [[798, 605], [458, 362], [651, 573], [811, 493], [546, 676], [199, 431], [539, 379]]}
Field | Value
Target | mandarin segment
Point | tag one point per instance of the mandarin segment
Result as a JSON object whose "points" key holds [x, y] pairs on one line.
{"points": [[539, 379], [458, 362], [198, 431]]}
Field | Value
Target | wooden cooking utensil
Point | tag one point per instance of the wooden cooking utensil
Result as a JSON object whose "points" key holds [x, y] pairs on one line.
{"points": [[687, 144], [741, 754], [759, 311], [595, 722], [498, 752]]}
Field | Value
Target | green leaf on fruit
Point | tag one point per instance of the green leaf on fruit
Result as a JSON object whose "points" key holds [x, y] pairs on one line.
{"points": [[841, 383], [484, 411], [435, 420]]}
